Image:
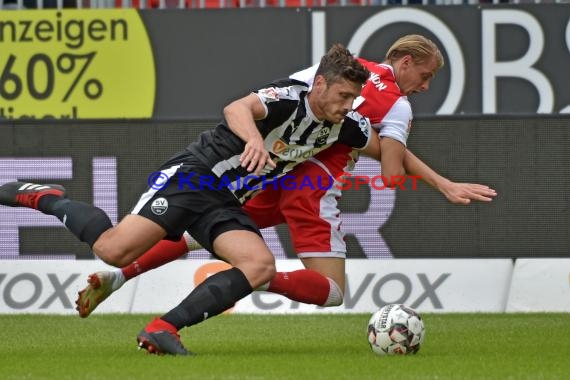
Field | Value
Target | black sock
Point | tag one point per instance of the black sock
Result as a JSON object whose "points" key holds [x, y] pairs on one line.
{"points": [[85, 221], [216, 294], [46, 203]]}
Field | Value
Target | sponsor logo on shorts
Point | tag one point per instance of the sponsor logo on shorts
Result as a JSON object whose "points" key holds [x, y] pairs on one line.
{"points": [[159, 206]]}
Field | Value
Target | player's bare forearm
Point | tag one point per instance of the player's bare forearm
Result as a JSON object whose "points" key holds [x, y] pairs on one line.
{"points": [[416, 167], [455, 192], [240, 116], [393, 154]]}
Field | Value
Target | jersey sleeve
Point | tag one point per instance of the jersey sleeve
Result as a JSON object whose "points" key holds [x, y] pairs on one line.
{"points": [[397, 122], [280, 99], [356, 131], [277, 95]]}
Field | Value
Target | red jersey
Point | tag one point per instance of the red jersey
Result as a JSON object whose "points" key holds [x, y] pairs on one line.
{"points": [[381, 101]]}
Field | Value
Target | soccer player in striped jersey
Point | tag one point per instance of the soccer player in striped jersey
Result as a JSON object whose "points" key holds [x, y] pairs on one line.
{"points": [[256, 141], [312, 214]]}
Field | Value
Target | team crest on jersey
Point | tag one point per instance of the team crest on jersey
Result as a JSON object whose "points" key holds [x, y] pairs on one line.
{"points": [[364, 124], [322, 137], [159, 206], [270, 93], [279, 146]]}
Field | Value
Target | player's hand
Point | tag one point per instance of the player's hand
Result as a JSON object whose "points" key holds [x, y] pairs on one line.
{"points": [[255, 157], [464, 193]]}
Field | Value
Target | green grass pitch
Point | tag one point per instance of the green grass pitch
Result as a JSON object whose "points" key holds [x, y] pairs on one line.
{"points": [[324, 346]]}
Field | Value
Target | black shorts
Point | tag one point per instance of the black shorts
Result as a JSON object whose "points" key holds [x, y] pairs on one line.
{"points": [[185, 203]]}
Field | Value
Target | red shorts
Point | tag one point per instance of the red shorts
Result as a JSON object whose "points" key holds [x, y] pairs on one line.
{"points": [[307, 203]]}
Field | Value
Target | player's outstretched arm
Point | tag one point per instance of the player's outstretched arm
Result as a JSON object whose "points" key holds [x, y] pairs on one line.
{"points": [[455, 192]]}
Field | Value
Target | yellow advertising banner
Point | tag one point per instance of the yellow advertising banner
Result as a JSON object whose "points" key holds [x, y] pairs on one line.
{"points": [[75, 64]]}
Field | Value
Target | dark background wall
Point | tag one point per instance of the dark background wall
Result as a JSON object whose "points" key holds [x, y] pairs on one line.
{"points": [[181, 64], [525, 159], [212, 57]]}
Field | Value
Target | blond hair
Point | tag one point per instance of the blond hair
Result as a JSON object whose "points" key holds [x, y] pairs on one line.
{"points": [[419, 47]]}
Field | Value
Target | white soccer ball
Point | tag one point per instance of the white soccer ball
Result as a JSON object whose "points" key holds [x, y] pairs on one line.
{"points": [[395, 329]]}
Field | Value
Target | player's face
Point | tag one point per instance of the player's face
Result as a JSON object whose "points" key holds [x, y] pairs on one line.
{"points": [[415, 77], [334, 100]]}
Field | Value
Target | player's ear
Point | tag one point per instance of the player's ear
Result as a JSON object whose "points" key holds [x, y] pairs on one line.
{"points": [[408, 59], [319, 82]]}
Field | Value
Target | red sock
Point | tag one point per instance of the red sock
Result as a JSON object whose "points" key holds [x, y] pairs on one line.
{"points": [[305, 285], [162, 253], [158, 324]]}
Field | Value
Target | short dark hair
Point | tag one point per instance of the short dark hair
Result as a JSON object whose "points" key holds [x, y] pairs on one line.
{"points": [[339, 64]]}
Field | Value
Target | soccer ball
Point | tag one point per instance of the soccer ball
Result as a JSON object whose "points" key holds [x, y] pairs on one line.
{"points": [[395, 329]]}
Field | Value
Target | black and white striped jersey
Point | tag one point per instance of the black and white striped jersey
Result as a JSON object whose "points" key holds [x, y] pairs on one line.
{"points": [[291, 132]]}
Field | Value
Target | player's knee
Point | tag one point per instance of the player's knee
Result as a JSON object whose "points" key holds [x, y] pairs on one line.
{"points": [[111, 254], [266, 270], [260, 271]]}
